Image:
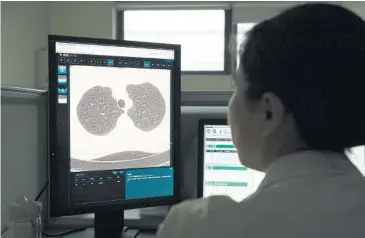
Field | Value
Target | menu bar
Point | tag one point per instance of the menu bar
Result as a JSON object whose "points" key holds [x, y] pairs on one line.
{"points": [[119, 51]]}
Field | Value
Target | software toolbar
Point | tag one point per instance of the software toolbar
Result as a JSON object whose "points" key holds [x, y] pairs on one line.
{"points": [[70, 59]]}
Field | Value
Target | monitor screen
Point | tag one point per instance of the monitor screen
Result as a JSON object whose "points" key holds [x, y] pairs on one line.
{"points": [[112, 122], [357, 157], [223, 173]]}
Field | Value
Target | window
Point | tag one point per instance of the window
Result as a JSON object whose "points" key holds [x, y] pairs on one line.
{"points": [[242, 29], [202, 34]]}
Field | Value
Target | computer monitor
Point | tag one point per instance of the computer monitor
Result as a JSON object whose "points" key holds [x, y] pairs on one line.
{"points": [[114, 122], [219, 169]]}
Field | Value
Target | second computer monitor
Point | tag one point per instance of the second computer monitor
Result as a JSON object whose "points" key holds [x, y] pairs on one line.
{"points": [[220, 171]]}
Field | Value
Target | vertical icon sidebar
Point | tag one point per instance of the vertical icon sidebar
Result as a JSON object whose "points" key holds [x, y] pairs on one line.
{"points": [[62, 72]]}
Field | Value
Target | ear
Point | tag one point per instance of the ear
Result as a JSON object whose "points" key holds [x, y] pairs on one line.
{"points": [[274, 113]]}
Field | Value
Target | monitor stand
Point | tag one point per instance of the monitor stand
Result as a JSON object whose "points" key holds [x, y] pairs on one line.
{"points": [[109, 224]]}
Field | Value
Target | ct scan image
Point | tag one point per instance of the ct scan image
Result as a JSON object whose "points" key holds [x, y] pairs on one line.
{"points": [[119, 118]]}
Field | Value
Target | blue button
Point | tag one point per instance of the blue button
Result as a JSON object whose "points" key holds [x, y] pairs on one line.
{"points": [[110, 62], [62, 91], [147, 64], [62, 69]]}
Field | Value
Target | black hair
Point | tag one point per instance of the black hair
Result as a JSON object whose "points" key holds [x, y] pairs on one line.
{"points": [[312, 57]]}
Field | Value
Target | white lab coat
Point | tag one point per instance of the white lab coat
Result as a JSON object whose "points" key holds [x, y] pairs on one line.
{"points": [[305, 195]]}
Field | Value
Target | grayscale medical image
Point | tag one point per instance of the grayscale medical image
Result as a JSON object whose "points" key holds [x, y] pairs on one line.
{"points": [[98, 111], [119, 118], [148, 108]]}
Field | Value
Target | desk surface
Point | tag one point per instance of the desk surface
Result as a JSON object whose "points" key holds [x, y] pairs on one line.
{"points": [[89, 233], [147, 218]]}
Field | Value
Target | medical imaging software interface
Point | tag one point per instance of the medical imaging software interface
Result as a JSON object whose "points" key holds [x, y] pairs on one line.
{"points": [[114, 122], [223, 172], [225, 175]]}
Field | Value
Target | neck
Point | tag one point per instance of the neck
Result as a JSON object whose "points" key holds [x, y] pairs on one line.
{"points": [[283, 149]]}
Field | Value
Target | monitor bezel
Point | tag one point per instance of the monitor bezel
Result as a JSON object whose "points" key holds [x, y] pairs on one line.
{"points": [[55, 210], [201, 143]]}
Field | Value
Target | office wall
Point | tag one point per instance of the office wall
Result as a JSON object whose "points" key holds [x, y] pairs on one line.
{"points": [[88, 19], [24, 29], [22, 150]]}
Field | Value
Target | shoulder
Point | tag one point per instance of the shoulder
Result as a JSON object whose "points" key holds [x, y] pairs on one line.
{"points": [[189, 218]]}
